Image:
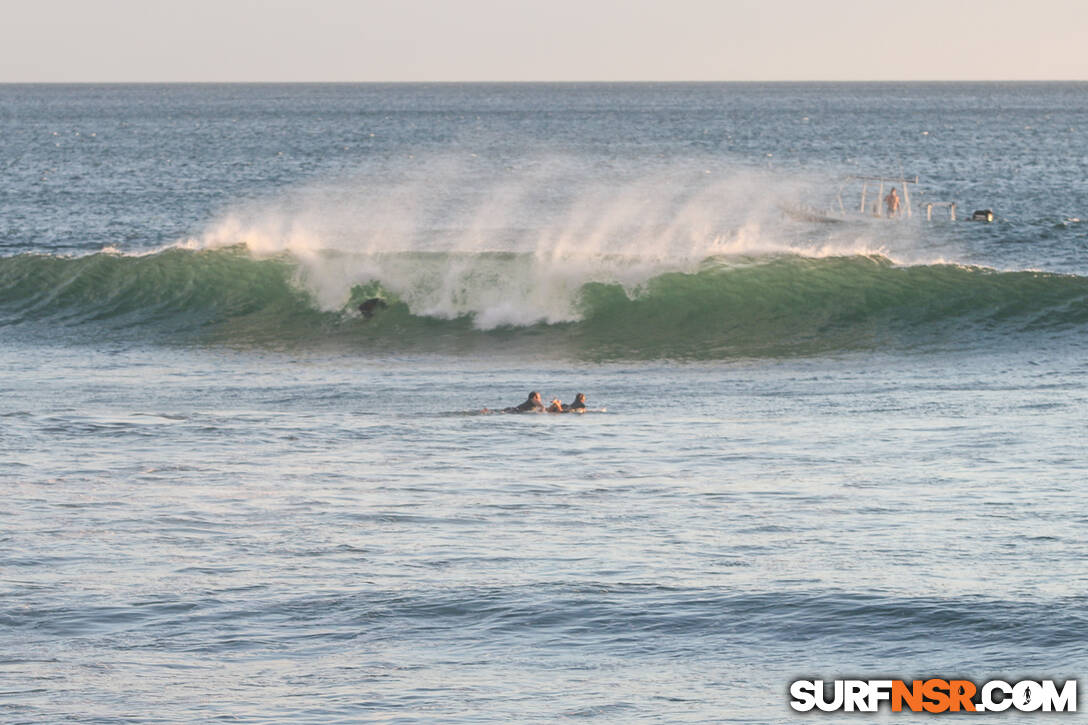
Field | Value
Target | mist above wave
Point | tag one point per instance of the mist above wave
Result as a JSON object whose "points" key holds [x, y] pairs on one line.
{"points": [[565, 225]]}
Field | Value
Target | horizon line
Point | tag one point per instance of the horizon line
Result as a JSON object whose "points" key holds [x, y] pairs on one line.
{"points": [[532, 82]]}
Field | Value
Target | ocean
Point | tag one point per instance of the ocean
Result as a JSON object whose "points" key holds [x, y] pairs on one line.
{"points": [[850, 448]]}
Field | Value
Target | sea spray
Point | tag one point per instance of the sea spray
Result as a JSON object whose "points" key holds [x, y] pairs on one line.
{"points": [[681, 263], [564, 230]]}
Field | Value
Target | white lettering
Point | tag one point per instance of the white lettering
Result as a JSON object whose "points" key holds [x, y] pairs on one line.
{"points": [[857, 695], [821, 696], [879, 691], [1027, 696], [994, 696], [803, 693], [1064, 701], [989, 704]]}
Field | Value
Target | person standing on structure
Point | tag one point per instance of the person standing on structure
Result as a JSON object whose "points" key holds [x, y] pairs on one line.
{"points": [[891, 202]]}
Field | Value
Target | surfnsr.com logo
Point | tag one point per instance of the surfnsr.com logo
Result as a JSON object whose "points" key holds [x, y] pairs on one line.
{"points": [[933, 695]]}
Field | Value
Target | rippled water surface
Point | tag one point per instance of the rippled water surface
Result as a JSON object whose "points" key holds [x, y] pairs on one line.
{"points": [[811, 452]]}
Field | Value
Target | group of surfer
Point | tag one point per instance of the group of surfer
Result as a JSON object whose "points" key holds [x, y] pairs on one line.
{"points": [[534, 404]]}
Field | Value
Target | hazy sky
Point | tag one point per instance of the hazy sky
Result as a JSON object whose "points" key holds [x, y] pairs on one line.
{"points": [[517, 40]]}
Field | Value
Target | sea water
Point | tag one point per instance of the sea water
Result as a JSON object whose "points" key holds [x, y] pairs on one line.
{"points": [[851, 449]]}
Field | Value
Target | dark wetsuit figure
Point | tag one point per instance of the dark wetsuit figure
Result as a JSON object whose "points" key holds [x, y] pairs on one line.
{"points": [[371, 306], [579, 403], [533, 404]]}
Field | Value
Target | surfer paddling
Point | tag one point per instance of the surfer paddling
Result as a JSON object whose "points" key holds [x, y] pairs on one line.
{"points": [[578, 406], [535, 404]]}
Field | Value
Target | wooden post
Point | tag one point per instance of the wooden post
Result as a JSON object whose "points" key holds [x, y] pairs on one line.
{"points": [[950, 205]]}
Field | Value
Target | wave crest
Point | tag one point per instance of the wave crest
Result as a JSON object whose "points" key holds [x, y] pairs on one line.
{"points": [[724, 306]]}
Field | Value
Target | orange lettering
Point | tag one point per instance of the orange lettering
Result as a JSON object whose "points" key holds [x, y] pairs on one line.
{"points": [[936, 691], [961, 692], [911, 695]]}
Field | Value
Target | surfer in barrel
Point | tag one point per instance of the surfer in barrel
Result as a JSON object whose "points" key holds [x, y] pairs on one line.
{"points": [[371, 306]]}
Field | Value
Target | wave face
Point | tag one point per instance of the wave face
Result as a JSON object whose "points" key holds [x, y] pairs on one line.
{"points": [[615, 308]]}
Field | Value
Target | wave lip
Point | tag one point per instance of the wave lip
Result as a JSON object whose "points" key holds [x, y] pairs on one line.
{"points": [[790, 303], [170, 292], [612, 307]]}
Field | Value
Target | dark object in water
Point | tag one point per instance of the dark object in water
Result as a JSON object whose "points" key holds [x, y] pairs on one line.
{"points": [[982, 215], [371, 306]]}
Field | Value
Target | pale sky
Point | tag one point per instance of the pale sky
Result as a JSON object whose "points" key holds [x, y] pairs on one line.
{"points": [[549, 40]]}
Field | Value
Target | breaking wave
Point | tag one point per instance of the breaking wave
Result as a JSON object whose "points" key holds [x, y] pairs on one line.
{"points": [[616, 308]]}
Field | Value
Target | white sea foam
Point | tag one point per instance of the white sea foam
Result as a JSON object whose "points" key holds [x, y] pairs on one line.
{"points": [[515, 247]]}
